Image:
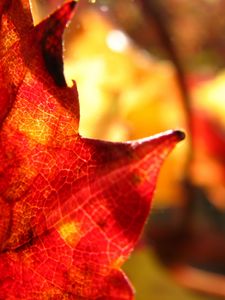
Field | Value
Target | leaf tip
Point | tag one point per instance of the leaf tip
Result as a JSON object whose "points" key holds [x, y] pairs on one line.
{"points": [[179, 134], [50, 33]]}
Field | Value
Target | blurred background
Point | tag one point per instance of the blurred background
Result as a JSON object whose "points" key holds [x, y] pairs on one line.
{"points": [[144, 66]]}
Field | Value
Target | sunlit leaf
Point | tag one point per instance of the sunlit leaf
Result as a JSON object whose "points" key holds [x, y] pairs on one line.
{"points": [[71, 208]]}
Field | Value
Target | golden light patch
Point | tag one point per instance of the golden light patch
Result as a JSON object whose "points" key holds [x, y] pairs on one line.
{"points": [[36, 128], [116, 264], [32, 122], [70, 233], [42, 123]]}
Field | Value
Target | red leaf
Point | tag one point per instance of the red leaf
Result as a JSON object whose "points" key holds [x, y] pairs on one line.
{"points": [[71, 208]]}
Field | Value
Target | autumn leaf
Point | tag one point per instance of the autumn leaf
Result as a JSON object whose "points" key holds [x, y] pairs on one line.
{"points": [[143, 89], [71, 208]]}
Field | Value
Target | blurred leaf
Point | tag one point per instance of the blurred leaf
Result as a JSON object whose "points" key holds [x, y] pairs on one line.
{"points": [[152, 281]]}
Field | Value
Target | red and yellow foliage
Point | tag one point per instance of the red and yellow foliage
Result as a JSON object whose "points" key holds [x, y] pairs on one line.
{"points": [[71, 208]]}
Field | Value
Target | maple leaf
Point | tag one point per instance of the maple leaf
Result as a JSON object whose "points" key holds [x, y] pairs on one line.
{"points": [[71, 208]]}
